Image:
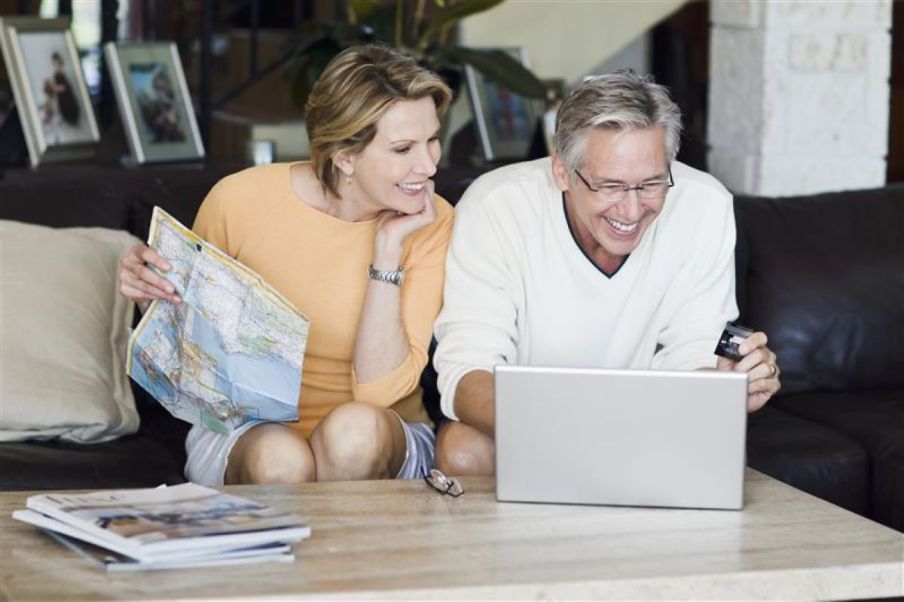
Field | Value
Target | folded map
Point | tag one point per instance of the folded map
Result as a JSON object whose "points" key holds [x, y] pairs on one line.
{"points": [[231, 352]]}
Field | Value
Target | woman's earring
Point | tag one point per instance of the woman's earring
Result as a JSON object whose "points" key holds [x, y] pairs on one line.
{"points": [[348, 179]]}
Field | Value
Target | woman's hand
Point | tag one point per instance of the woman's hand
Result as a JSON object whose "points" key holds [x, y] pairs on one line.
{"points": [[759, 362], [394, 227], [139, 283]]}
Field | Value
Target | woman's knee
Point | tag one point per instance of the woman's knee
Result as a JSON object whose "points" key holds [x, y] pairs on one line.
{"points": [[356, 441], [271, 454], [462, 450]]}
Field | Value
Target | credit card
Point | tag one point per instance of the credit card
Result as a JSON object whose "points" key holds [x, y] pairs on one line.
{"points": [[732, 337]]}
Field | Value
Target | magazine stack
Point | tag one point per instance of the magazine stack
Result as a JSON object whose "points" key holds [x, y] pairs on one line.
{"points": [[168, 527]]}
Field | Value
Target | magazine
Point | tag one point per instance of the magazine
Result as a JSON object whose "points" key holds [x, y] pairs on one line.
{"points": [[113, 562], [111, 555], [166, 523]]}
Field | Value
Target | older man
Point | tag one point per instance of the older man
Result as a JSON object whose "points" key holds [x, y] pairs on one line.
{"points": [[609, 255]]}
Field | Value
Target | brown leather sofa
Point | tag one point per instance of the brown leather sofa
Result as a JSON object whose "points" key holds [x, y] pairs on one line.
{"points": [[822, 275]]}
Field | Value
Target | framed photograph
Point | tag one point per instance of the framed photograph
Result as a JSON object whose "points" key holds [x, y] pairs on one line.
{"points": [[154, 102], [506, 122], [555, 93], [49, 89]]}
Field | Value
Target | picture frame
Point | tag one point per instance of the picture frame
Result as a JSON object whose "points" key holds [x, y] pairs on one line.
{"points": [[49, 89], [505, 122], [555, 93], [154, 102]]}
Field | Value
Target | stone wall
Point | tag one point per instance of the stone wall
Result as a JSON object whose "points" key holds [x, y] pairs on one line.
{"points": [[799, 95]]}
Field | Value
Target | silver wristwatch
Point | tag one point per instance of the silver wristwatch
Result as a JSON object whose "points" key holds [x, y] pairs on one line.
{"points": [[393, 277]]}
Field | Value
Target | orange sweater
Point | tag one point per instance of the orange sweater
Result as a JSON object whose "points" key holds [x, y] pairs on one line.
{"points": [[320, 263]]}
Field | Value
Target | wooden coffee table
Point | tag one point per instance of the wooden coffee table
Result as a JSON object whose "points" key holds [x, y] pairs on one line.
{"points": [[401, 539]]}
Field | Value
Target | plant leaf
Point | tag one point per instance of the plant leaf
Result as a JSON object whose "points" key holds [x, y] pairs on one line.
{"points": [[453, 13], [382, 23], [346, 34], [500, 67], [309, 68], [309, 33], [362, 9]]}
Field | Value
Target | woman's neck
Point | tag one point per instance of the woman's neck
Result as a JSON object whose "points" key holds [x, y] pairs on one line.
{"points": [[311, 192], [348, 206]]}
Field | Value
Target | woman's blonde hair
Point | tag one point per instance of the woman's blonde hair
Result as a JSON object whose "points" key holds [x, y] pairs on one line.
{"points": [[354, 91]]}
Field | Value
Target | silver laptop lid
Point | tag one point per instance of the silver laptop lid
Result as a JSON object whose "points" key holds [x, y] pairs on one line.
{"points": [[623, 437]]}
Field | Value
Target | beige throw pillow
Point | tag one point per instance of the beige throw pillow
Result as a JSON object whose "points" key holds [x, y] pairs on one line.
{"points": [[65, 329]]}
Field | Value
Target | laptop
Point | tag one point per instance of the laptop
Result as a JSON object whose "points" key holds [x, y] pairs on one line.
{"points": [[621, 437]]}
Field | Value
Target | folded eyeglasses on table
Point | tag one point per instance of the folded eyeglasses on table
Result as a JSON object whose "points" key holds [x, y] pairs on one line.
{"points": [[444, 484]]}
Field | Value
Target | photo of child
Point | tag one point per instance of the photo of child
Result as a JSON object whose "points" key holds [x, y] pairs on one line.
{"points": [[50, 72]]}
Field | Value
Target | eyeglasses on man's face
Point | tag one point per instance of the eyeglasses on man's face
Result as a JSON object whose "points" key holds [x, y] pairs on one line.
{"points": [[613, 192]]}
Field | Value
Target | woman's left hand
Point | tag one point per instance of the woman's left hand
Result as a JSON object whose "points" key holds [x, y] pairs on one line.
{"points": [[759, 362]]}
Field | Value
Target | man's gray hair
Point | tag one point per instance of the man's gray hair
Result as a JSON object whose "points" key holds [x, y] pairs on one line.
{"points": [[623, 101]]}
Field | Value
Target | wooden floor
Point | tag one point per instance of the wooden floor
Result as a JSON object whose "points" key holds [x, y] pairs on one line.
{"points": [[401, 539]]}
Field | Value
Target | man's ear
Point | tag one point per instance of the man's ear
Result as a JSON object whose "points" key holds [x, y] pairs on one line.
{"points": [[560, 173]]}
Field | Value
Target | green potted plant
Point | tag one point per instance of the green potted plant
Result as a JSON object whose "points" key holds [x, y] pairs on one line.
{"points": [[419, 28]]}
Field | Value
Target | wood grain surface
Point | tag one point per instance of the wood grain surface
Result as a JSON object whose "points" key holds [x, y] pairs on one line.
{"points": [[401, 539]]}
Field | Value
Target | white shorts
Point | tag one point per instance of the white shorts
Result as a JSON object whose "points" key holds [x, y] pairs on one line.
{"points": [[208, 452]]}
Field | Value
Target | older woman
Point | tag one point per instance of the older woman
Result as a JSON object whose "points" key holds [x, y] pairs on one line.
{"points": [[356, 239]]}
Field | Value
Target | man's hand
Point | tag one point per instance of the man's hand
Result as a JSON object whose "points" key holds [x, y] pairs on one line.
{"points": [[759, 362]]}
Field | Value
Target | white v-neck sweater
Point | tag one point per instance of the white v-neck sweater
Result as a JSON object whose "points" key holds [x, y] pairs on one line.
{"points": [[520, 291]]}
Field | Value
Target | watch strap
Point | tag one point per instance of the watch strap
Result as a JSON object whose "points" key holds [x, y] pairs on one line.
{"points": [[394, 277]]}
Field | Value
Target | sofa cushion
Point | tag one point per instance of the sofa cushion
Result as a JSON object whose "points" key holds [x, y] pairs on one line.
{"points": [[823, 276], [875, 420], [65, 332], [810, 456]]}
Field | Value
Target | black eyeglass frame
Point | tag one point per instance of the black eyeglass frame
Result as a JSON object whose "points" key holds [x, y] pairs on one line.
{"points": [[443, 484], [624, 188]]}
